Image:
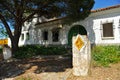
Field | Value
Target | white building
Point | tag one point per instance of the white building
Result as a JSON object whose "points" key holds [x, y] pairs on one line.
{"points": [[102, 27]]}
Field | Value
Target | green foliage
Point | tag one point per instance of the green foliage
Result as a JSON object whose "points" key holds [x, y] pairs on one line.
{"points": [[25, 52], [78, 9], [53, 50], [29, 51], [105, 55], [75, 9]]}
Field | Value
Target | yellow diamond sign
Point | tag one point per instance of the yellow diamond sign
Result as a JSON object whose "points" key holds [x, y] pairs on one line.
{"points": [[3, 41], [79, 43]]}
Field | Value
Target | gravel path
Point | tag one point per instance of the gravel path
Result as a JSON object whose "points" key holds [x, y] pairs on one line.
{"points": [[53, 69]]}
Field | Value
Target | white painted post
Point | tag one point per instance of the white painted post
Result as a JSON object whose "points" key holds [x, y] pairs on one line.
{"points": [[6, 52], [81, 55]]}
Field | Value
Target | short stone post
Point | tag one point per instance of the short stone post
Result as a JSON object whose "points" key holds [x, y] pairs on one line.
{"points": [[6, 52], [81, 55]]}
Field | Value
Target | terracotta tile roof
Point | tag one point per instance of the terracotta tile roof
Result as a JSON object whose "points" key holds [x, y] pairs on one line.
{"points": [[107, 8]]}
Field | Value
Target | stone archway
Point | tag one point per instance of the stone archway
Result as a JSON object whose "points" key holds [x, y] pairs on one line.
{"points": [[77, 29]]}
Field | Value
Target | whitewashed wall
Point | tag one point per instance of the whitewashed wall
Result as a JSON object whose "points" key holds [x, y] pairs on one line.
{"points": [[92, 24], [107, 16]]}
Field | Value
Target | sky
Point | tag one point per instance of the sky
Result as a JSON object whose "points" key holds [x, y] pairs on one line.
{"points": [[105, 3]]}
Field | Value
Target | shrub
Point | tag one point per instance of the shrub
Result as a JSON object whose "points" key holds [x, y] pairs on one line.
{"points": [[25, 52], [105, 55], [29, 51], [52, 50]]}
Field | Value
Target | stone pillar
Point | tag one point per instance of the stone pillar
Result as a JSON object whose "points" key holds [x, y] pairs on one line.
{"points": [[81, 55], [6, 52]]}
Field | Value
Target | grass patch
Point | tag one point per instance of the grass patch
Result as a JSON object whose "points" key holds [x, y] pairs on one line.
{"points": [[105, 55], [29, 51]]}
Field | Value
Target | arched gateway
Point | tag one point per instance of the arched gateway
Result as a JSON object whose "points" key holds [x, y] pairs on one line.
{"points": [[77, 29]]}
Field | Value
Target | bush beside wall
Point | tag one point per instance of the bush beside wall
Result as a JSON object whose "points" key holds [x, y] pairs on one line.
{"points": [[105, 55], [101, 55], [29, 51]]}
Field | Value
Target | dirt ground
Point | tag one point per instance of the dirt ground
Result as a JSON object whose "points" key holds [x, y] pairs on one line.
{"points": [[53, 69]]}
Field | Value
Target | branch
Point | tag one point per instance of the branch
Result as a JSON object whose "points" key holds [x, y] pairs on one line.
{"points": [[31, 15], [8, 8], [6, 26]]}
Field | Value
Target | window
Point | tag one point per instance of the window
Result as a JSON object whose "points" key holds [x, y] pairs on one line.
{"points": [[22, 37], [108, 30], [27, 36], [55, 35], [45, 35]]}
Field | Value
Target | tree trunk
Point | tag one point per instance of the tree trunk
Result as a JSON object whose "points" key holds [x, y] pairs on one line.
{"points": [[14, 44], [17, 33]]}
